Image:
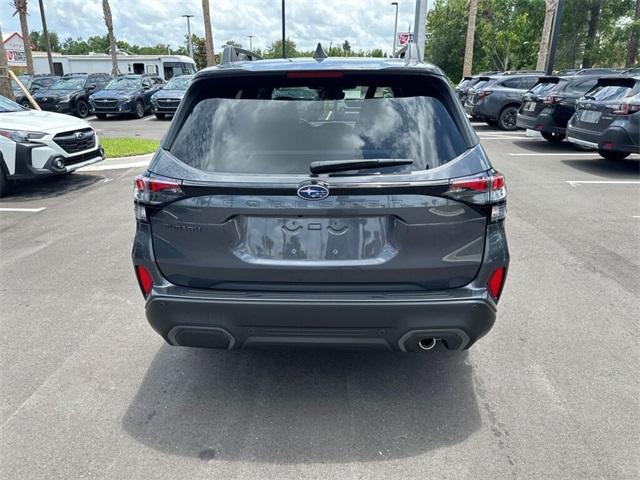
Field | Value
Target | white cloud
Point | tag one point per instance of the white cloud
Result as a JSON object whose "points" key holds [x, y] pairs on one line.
{"points": [[366, 24]]}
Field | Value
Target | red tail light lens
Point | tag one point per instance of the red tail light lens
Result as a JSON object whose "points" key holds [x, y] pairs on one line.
{"points": [[484, 190], [155, 190], [627, 108], [484, 93], [144, 280], [496, 282], [552, 100]]}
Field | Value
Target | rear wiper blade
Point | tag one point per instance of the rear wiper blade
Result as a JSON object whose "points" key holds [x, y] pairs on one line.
{"points": [[330, 166]]}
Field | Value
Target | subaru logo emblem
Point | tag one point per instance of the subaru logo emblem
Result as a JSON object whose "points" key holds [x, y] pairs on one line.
{"points": [[313, 191], [79, 135]]}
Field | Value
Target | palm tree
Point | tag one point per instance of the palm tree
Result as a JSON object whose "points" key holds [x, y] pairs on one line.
{"points": [[471, 33], [108, 20], [21, 9], [208, 36], [550, 10]]}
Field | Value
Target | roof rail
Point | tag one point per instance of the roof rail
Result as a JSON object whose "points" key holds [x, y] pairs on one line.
{"points": [[409, 52], [232, 54]]}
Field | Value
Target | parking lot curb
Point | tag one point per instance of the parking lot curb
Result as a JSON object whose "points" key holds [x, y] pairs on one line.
{"points": [[118, 163]]}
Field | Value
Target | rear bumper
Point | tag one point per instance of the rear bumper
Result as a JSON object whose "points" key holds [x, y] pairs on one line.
{"points": [[225, 320], [355, 320], [613, 138], [525, 121]]}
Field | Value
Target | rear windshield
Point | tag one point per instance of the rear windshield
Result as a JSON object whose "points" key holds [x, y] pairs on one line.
{"points": [[609, 93], [543, 88], [464, 83], [282, 129]]}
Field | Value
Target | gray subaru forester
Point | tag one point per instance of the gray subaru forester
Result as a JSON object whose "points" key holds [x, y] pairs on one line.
{"points": [[321, 202]]}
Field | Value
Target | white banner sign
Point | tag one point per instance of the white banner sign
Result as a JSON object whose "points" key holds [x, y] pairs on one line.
{"points": [[15, 51]]}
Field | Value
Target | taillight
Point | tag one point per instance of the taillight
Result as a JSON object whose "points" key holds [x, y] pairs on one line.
{"points": [[482, 190], [484, 93], [156, 190], [496, 282], [144, 279], [627, 108], [552, 100]]}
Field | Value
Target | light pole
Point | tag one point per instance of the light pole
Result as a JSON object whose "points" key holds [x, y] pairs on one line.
{"points": [[251, 43], [284, 46], [45, 32], [395, 29], [189, 45], [553, 45]]}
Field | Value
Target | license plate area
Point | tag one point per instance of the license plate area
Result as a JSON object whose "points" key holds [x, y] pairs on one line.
{"points": [[309, 240], [590, 116], [530, 106]]}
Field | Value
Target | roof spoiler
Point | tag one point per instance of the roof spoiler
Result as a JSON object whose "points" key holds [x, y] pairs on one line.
{"points": [[623, 81], [549, 79], [232, 54]]}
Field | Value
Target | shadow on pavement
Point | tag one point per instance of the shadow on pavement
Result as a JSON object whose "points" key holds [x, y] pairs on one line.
{"points": [[627, 169], [50, 187], [288, 407], [542, 146]]}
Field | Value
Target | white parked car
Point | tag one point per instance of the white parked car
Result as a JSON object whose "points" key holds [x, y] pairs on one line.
{"points": [[35, 144]]}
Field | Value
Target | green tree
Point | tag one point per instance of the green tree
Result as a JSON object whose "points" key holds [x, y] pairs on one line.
{"points": [[275, 49], [38, 41]]}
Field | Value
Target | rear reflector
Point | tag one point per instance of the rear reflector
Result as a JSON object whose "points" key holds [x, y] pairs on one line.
{"points": [[144, 279], [495, 283], [328, 74]]}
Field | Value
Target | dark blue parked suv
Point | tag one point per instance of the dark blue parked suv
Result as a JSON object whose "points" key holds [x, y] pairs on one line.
{"points": [[277, 214], [126, 95]]}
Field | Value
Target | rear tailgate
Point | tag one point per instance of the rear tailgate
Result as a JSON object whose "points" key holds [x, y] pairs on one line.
{"points": [[245, 219], [350, 242]]}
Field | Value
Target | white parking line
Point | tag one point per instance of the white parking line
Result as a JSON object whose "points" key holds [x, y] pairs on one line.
{"points": [[574, 183], [28, 210], [150, 117]]}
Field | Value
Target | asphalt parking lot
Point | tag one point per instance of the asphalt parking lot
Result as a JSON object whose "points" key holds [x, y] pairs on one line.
{"points": [[90, 391]]}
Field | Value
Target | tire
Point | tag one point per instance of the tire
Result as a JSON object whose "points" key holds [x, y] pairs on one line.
{"points": [[101, 116], [161, 116], [139, 111], [552, 137], [507, 118], [611, 155], [25, 104], [82, 108], [4, 184]]}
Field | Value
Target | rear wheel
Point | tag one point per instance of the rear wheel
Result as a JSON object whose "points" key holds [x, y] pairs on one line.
{"points": [[507, 119], [552, 137], [82, 109], [160, 116], [101, 116], [609, 155], [139, 111], [4, 184]]}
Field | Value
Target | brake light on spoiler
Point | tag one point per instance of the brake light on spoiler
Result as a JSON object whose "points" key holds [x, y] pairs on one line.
{"points": [[489, 190]]}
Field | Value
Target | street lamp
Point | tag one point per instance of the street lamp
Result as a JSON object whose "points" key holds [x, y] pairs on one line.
{"points": [[395, 29], [189, 45], [284, 47], [250, 43]]}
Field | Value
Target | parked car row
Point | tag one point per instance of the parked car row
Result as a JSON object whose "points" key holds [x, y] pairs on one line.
{"points": [[601, 113], [100, 93]]}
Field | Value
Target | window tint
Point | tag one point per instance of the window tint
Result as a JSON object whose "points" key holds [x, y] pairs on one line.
{"points": [[527, 82], [511, 83], [609, 93], [543, 88], [583, 86], [295, 126]]}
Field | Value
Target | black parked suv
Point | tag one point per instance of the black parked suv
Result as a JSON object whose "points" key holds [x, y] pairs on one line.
{"points": [[126, 95], [272, 218], [32, 84], [462, 89], [70, 94], [607, 118], [549, 105], [166, 100], [498, 99]]}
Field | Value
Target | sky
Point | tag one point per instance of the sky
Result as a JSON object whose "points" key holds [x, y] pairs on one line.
{"points": [[367, 24]]}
